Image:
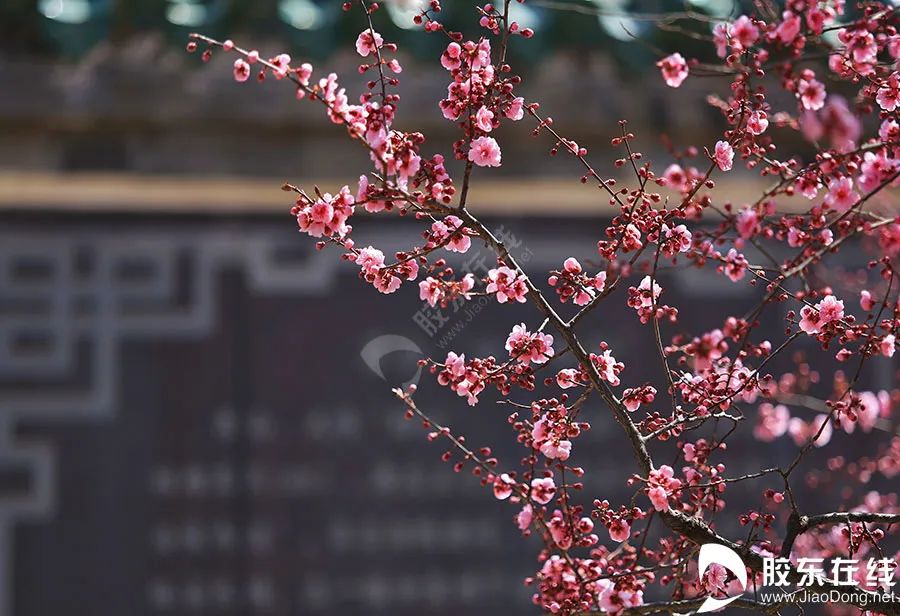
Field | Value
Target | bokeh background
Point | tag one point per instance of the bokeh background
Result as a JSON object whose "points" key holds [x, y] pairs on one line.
{"points": [[195, 407]]}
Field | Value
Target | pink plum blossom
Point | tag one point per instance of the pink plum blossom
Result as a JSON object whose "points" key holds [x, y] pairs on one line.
{"points": [[661, 486], [507, 285], [743, 33], [802, 432], [567, 377], [724, 156], [758, 122], [772, 422], [674, 69], [747, 223], [888, 96], [524, 517], [813, 319], [735, 265], [865, 300], [526, 347], [887, 345], [659, 498], [715, 578], [543, 489], [721, 38], [503, 486], [607, 367], [241, 70], [789, 28], [679, 236], [515, 111], [366, 43], [675, 177], [558, 450], [282, 64], [483, 119], [485, 152], [841, 196], [811, 93], [619, 531], [449, 232]]}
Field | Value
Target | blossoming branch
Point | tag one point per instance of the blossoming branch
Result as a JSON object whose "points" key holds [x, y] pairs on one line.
{"points": [[816, 69]]}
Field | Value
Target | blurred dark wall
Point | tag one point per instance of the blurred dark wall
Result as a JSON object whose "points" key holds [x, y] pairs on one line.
{"points": [[197, 419]]}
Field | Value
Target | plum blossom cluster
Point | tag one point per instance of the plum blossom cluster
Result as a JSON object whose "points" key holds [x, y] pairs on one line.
{"points": [[325, 216], [507, 285], [449, 233], [468, 378], [662, 485], [526, 347], [617, 521], [553, 427], [572, 283], [644, 297], [439, 289], [479, 99], [718, 386], [809, 102], [606, 366], [566, 534], [824, 316], [385, 278]]}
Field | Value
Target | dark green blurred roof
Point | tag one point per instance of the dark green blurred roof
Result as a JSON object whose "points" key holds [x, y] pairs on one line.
{"points": [[316, 28]]}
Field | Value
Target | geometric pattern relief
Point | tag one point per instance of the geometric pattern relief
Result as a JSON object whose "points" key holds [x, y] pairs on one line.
{"points": [[59, 295], [73, 296]]}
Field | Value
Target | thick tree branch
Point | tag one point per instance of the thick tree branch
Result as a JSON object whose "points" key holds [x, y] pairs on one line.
{"points": [[797, 525]]}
